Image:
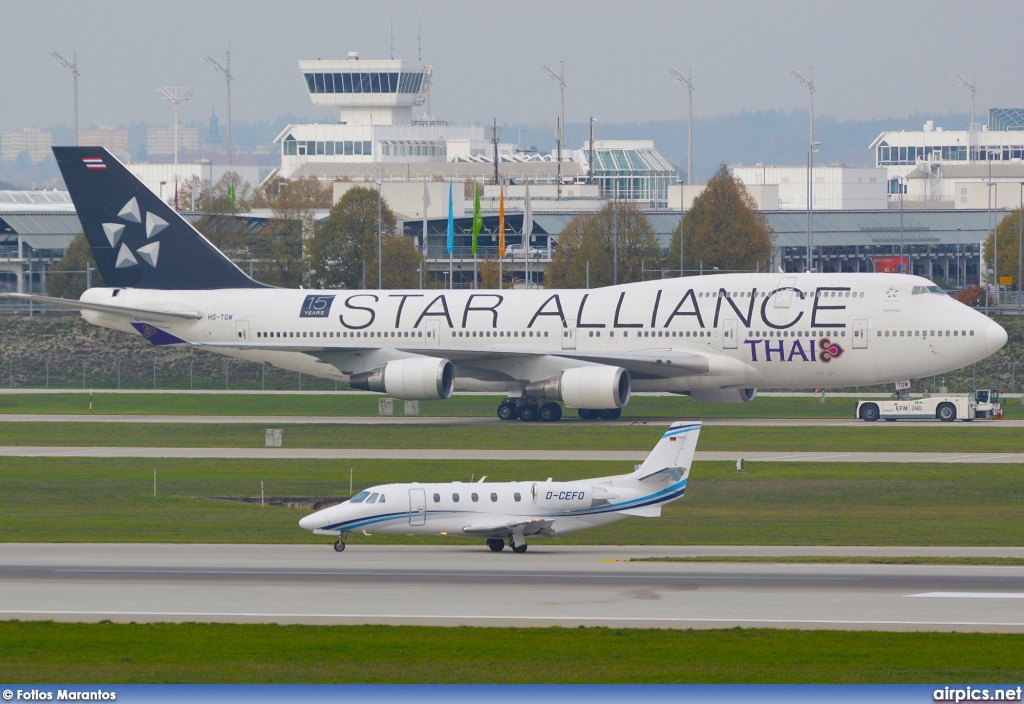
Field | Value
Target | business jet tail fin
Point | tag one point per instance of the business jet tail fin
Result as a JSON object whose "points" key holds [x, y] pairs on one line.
{"points": [[138, 240], [673, 455]]}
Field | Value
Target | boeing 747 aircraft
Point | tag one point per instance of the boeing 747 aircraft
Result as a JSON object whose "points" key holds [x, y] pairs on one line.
{"points": [[717, 338], [514, 511]]}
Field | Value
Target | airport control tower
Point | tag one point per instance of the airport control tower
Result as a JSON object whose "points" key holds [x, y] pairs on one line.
{"points": [[378, 92]]}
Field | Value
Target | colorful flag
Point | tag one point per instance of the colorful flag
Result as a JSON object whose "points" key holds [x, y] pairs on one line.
{"points": [[501, 223], [426, 204], [478, 221], [175, 192], [231, 194], [451, 222]]}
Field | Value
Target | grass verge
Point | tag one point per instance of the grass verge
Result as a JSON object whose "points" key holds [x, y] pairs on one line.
{"points": [[111, 500], [191, 653], [866, 438]]}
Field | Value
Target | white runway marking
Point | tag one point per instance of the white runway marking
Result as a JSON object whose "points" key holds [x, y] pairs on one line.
{"points": [[969, 595]]}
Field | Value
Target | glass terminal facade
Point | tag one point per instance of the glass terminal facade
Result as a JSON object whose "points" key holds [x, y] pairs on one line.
{"points": [[635, 173]]}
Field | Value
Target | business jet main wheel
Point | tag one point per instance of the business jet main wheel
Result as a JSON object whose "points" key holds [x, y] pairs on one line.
{"points": [[339, 546], [588, 413], [496, 544], [519, 548], [529, 413], [507, 410], [550, 413], [610, 413]]}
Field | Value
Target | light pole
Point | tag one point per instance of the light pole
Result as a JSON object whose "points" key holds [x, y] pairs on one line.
{"points": [[687, 80], [73, 67], [969, 85], [808, 82], [901, 225], [225, 68], [380, 249], [560, 79], [175, 96]]}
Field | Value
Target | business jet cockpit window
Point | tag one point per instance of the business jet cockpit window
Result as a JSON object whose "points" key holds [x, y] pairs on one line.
{"points": [[359, 498]]}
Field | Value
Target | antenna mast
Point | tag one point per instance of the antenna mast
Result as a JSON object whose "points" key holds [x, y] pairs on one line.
{"points": [[969, 85]]}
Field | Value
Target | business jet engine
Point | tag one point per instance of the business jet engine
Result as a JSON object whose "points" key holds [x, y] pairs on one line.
{"points": [[586, 387], [413, 379], [723, 395]]}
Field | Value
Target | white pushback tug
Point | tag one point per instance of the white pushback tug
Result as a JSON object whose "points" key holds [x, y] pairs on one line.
{"points": [[515, 511]]}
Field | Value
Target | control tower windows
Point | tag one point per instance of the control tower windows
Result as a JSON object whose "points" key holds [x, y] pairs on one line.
{"points": [[368, 82]]}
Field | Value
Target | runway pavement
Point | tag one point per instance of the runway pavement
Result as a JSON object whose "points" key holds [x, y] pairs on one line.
{"points": [[449, 420], [499, 455], [469, 585]]}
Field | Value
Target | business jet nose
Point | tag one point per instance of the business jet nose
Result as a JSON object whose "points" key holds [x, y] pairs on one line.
{"points": [[995, 337], [312, 521]]}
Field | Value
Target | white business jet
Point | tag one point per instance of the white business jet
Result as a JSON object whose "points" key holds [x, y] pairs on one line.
{"points": [[716, 338], [515, 511]]}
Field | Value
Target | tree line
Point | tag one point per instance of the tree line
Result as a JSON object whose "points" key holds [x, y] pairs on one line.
{"points": [[722, 230]]}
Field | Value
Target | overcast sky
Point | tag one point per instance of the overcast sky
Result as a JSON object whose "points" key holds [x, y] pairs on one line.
{"points": [[871, 59]]}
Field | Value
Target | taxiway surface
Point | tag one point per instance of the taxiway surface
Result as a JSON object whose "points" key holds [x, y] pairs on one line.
{"points": [[551, 584]]}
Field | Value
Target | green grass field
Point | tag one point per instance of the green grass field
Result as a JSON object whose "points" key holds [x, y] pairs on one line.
{"points": [[110, 500], [224, 653], [874, 437], [347, 404]]}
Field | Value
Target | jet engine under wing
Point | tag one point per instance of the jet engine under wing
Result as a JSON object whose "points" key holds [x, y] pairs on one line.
{"points": [[105, 308]]}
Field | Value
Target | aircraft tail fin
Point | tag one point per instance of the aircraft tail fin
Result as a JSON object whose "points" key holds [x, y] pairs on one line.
{"points": [[673, 454], [137, 239]]}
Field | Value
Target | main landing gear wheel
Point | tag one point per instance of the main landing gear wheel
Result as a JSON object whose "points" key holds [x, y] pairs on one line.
{"points": [[550, 413], [507, 410], [610, 413], [528, 413], [519, 548], [496, 544], [588, 413], [339, 546]]}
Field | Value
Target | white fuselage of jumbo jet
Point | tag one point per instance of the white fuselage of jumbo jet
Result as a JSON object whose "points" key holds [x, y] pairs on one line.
{"points": [[699, 335]]}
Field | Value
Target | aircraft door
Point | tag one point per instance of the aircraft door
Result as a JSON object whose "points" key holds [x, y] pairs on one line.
{"points": [[417, 507], [784, 297], [242, 330], [569, 338], [860, 333], [433, 333], [729, 334]]}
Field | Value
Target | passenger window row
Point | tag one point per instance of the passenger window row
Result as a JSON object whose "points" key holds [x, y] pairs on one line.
{"points": [[476, 497], [358, 333], [925, 333], [799, 333], [496, 333]]}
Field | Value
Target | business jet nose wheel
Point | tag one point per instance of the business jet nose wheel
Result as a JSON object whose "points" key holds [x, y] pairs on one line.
{"points": [[496, 544]]}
